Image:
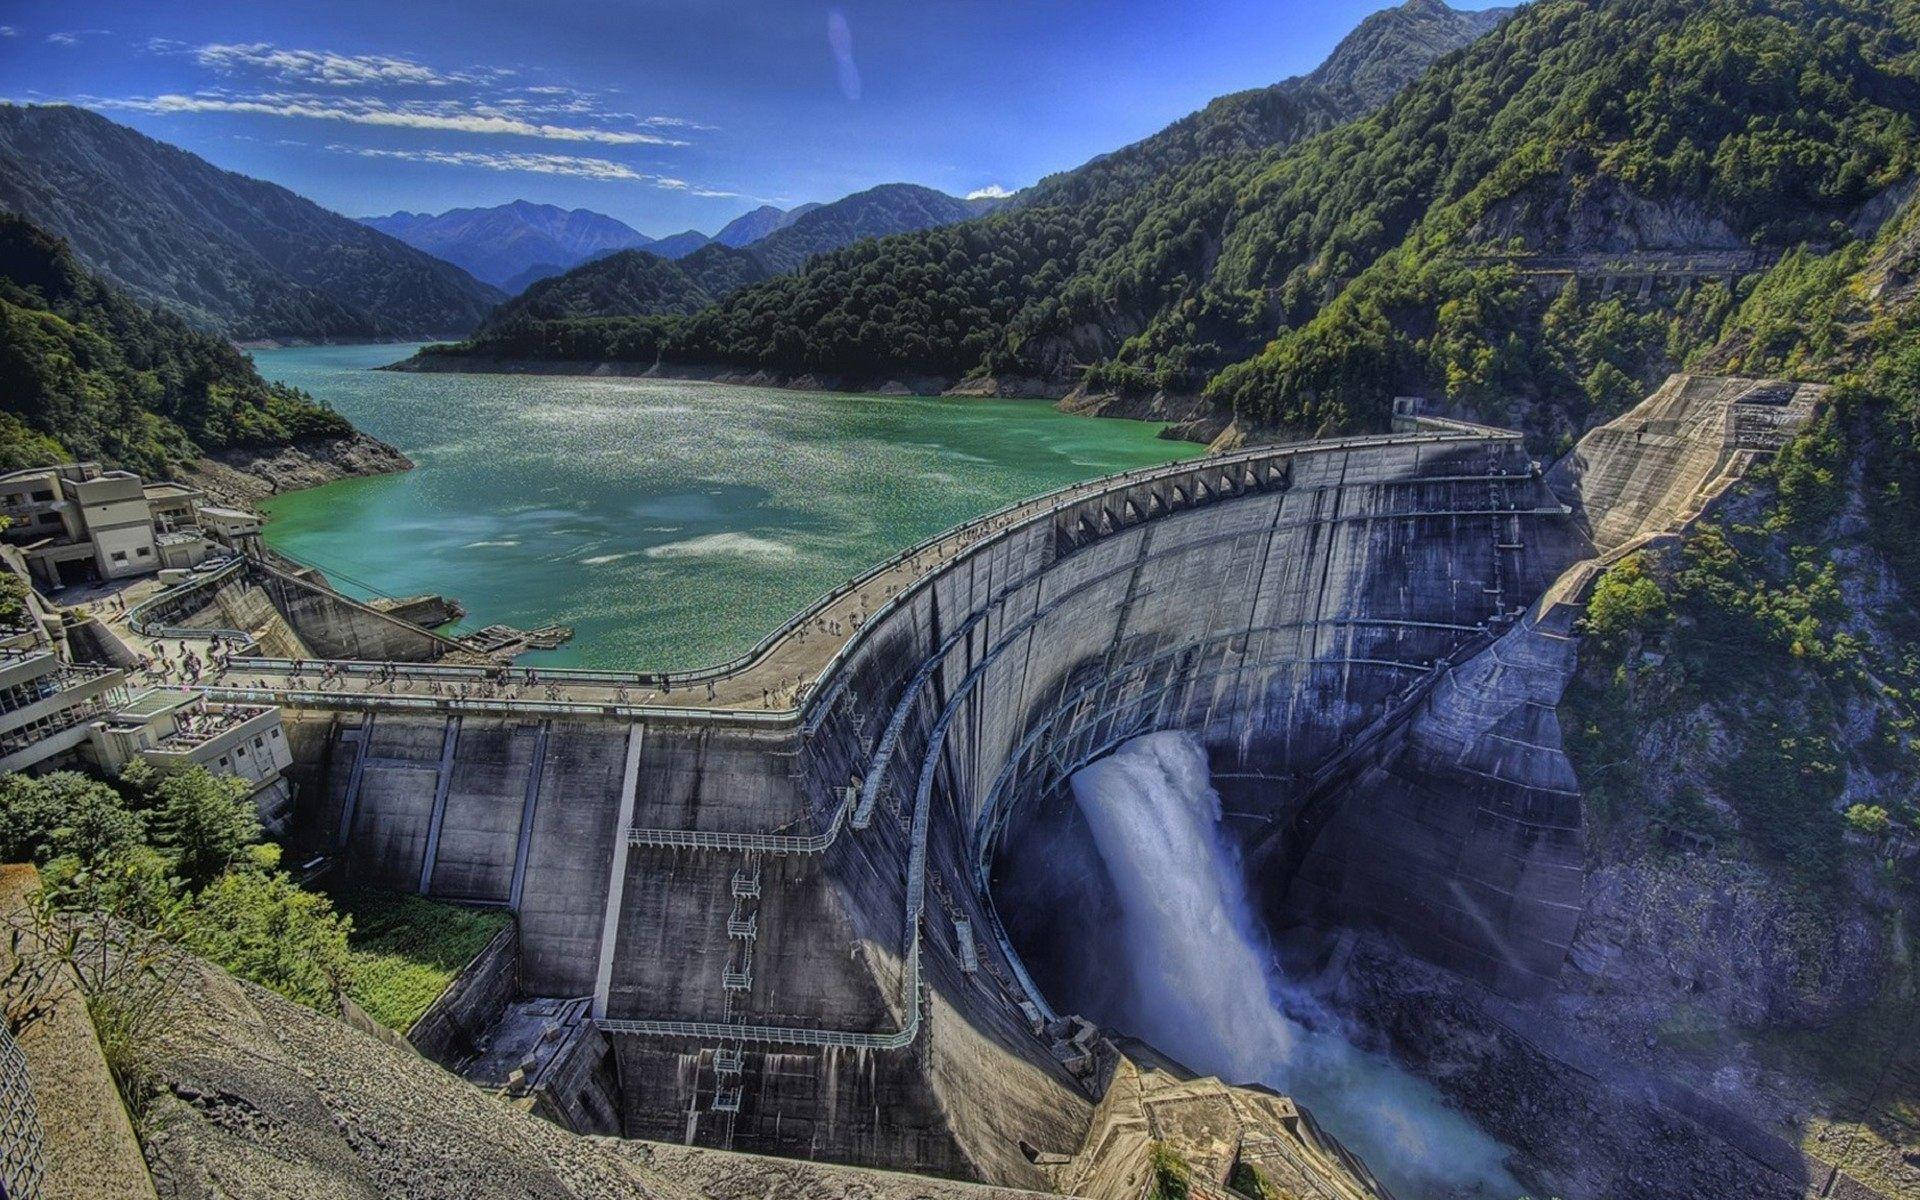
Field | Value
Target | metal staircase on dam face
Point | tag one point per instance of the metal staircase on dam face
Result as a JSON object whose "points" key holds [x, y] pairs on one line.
{"points": [[743, 926]]}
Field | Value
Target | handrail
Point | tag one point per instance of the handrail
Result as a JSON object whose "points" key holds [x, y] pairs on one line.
{"points": [[1055, 501], [138, 617], [382, 702], [1079, 491]]}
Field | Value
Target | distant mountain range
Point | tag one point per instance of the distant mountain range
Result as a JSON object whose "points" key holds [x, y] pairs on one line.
{"points": [[503, 245], [646, 282], [748, 228], [231, 254], [513, 246]]}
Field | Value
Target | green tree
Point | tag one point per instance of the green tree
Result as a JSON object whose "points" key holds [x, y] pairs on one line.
{"points": [[262, 926], [207, 820], [1626, 600], [63, 814], [1869, 819]]}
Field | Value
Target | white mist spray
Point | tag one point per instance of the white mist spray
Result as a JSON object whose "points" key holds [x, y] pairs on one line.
{"points": [[1201, 984]]}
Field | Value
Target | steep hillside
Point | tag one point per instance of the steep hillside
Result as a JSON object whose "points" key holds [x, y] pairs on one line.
{"points": [[502, 244], [748, 228], [87, 373], [246, 258], [679, 245], [1742, 726], [1376, 60], [876, 212], [955, 300], [1303, 288]]}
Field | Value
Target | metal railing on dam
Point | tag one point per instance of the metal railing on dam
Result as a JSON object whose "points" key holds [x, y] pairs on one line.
{"points": [[145, 617], [972, 535]]}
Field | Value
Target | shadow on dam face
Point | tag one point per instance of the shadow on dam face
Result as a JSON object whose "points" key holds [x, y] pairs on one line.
{"points": [[1126, 893]]}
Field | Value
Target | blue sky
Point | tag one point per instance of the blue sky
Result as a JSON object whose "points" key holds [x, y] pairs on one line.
{"points": [[666, 113]]}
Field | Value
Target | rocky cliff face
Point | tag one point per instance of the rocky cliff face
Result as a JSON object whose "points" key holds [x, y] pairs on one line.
{"points": [[249, 474]]}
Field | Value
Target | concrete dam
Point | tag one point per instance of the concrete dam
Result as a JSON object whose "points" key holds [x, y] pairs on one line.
{"points": [[773, 928]]}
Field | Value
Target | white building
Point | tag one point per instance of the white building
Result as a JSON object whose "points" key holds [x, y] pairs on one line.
{"points": [[174, 728], [78, 523], [46, 705]]}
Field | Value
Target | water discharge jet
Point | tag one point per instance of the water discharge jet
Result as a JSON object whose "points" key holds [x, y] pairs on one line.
{"points": [[1199, 981]]}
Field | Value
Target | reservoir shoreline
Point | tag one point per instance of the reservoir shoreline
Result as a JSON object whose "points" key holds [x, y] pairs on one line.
{"points": [[1187, 417], [666, 521]]}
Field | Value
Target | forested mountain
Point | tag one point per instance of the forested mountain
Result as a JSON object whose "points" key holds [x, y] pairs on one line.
{"points": [[643, 283], [748, 228], [635, 281], [1302, 287], [87, 373], [947, 294], [1381, 55], [229, 253], [504, 244]]}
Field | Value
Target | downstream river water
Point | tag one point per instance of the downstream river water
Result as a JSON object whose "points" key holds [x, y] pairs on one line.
{"points": [[671, 524]]}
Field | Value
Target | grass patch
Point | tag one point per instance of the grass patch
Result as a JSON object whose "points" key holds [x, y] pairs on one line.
{"points": [[407, 949]]}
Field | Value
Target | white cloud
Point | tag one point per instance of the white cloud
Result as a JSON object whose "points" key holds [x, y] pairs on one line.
{"points": [[992, 191], [538, 164], [321, 66], [447, 118], [71, 37], [8, 31]]}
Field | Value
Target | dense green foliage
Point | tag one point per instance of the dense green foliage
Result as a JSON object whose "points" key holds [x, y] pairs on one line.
{"points": [[232, 254], [179, 855], [407, 949], [87, 373], [971, 296]]}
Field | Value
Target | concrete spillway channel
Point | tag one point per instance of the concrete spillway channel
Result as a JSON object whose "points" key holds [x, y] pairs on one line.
{"points": [[784, 918]]}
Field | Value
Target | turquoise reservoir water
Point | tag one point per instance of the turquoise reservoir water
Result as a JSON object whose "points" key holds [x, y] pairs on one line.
{"points": [[671, 524]]}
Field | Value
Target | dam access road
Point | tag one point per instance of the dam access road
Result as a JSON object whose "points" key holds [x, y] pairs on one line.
{"points": [[768, 924]]}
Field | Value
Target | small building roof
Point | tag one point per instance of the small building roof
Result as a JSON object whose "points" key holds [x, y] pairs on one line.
{"points": [[154, 702]]}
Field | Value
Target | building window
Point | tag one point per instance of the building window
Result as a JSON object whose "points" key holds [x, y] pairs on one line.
{"points": [[144, 552], [276, 733], [43, 495], [119, 556], [49, 518]]}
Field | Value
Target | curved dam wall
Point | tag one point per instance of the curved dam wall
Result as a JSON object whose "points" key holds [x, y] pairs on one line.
{"points": [[784, 922]]}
